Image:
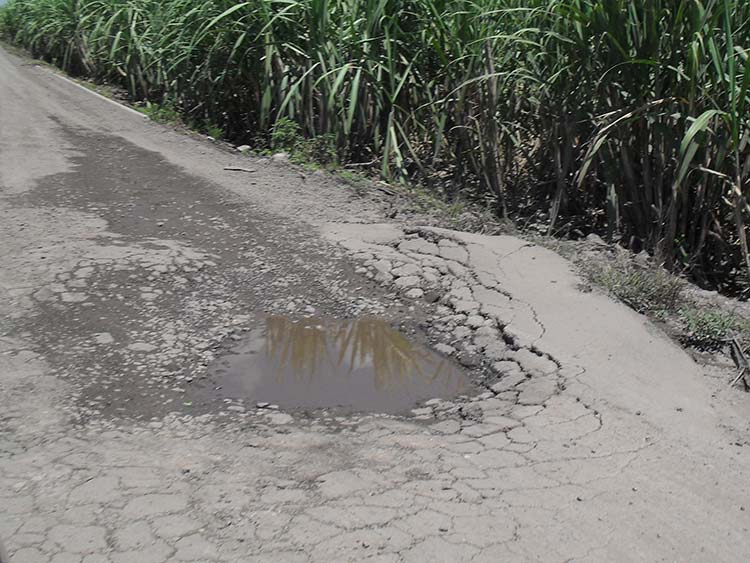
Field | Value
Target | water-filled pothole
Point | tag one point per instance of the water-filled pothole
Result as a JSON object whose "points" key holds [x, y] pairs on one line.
{"points": [[355, 365]]}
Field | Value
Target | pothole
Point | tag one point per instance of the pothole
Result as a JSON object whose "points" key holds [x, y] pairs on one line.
{"points": [[360, 365]]}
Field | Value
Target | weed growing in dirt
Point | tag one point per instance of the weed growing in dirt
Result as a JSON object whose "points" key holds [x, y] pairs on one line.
{"points": [[645, 290], [286, 135], [710, 329], [162, 113], [316, 151], [214, 131], [168, 113]]}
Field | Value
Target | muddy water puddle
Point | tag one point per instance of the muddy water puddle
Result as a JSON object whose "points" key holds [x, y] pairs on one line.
{"points": [[357, 365]]}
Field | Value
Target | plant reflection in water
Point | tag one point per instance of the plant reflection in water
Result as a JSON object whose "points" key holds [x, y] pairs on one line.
{"points": [[361, 364]]}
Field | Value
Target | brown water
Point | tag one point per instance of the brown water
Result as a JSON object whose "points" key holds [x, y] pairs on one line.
{"points": [[357, 365]]}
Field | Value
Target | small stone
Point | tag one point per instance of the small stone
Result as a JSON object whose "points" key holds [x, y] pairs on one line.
{"points": [[475, 321], [471, 412], [445, 349], [461, 332], [469, 359], [460, 293], [487, 330], [382, 277], [432, 295], [243, 148], [595, 239], [103, 338], [280, 158], [406, 282], [383, 266], [406, 270], [280, 418], [496, 349], [465, 306], [414, 293], [430, 277]]}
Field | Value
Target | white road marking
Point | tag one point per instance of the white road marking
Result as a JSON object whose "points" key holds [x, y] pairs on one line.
{"points": [[98, 95]]}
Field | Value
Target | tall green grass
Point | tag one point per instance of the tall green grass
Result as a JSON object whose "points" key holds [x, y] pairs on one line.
{"points": [[622, 116]]}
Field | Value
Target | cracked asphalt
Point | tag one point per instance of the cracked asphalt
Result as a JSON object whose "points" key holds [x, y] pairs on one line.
{"points": [[131, 260]]}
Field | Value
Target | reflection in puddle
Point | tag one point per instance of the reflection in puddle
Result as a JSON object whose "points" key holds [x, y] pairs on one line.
{"points": [[312, 363]]}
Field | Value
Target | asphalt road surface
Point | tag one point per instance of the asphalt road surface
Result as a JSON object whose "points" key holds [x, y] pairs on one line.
{"points": [[133, 262]]}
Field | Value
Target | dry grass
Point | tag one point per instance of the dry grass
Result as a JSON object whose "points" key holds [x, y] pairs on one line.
{"points": [[646, 290]]}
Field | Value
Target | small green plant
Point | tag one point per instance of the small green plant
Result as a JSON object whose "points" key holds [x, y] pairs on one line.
{"points": [[214, 131], [652, 291], [455, 209], [319, 151], [286, 135], [165, 112], [708, 329], [351, 177]]}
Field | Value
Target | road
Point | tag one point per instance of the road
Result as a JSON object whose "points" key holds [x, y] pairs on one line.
{"points": [[132, 260]]}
